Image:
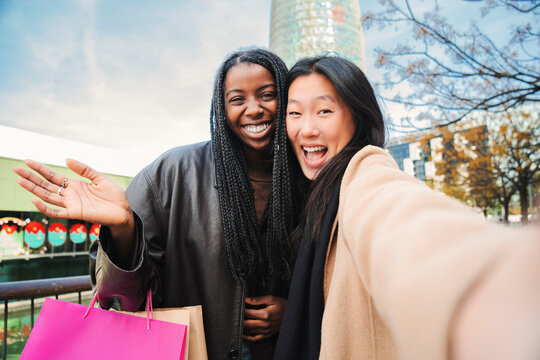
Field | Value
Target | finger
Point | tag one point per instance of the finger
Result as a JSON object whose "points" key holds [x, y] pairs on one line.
{"points": [[53, 213], [34, 179], [84, 170], [255, 326], [43, 194], [47, 173], [260, 314], [259, 300], [250, 313], [254, 338]]}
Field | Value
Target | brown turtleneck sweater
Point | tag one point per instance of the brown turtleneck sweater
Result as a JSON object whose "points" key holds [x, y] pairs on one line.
{"points": [[260, 175]]}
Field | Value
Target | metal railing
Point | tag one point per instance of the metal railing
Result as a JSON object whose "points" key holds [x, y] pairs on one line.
{"points": [[32, 289], [51, 255]]}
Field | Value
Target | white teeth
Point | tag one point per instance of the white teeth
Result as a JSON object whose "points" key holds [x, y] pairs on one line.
{"points": [[313, 148], [256, 129]]}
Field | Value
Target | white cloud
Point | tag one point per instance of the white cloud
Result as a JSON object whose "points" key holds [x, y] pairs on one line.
{"points": [[129, 75], [143, 91]]}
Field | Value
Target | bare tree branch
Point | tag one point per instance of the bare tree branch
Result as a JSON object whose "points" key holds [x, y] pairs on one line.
{"points": [[454, 74]]}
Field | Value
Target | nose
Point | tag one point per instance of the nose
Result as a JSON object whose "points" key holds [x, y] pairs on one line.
{"points": [[254, 109], [308, 127]]}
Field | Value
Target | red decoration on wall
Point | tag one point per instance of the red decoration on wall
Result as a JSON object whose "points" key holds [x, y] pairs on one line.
{"points": [[34, 227], [77, 233], [94, 232], [34, 234], [57, 228], [9, 229]]}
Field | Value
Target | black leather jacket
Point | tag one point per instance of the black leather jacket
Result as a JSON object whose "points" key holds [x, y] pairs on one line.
{"points": [[181, 253]]}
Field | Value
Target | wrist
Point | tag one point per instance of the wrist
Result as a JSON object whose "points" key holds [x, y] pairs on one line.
{"points": [[125, 227], [123, 236]]}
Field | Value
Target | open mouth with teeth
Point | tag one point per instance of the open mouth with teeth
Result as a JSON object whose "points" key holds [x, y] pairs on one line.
{"points": [[314, 156], [256, 129]]}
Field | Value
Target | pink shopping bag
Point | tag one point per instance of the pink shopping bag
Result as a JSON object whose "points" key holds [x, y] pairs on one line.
{"points": [[63, 331]]}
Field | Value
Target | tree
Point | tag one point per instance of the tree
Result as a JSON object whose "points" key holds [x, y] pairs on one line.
{"points": [[463, 165], [455, 73], [518, 137], [488, 160]]}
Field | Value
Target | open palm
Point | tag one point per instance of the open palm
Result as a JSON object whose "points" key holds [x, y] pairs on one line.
{"points": [[100, 201]]}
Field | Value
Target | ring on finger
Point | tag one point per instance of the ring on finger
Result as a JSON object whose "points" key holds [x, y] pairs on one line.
{"points": [[64, 183], [59, 191]]}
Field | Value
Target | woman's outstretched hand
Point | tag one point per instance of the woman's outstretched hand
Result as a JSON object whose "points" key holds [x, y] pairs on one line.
{"points": [[100, 201]]}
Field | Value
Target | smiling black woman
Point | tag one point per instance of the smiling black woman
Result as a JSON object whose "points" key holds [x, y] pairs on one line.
{"points": [[207, 223]]}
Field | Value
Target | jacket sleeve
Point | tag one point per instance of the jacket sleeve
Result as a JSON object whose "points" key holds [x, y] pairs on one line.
{"points": [[128, 287], [416, 251]]}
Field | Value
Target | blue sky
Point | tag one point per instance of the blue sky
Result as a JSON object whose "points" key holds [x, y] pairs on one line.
{"points": [[137, 75]]}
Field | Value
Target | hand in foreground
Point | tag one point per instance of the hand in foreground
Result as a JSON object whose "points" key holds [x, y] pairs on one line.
{"points": [[265, 320], [499, 318], [101, 202]]}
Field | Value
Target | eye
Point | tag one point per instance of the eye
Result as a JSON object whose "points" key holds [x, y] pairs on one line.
{"points": [[236, 100], [325, 111], [269, 95], [293, 113]]}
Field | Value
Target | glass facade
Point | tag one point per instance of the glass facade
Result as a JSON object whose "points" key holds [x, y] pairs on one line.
{"points": [[399, 152], [300, 28], [420, 169]]}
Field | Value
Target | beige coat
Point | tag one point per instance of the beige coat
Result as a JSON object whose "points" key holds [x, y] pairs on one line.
{"points": [[399, 263]]}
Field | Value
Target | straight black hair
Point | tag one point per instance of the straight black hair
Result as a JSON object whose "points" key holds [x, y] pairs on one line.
{"points": [[250, 256], [357, 93]]}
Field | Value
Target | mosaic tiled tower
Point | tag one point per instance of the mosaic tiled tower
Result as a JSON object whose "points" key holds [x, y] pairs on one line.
{"points": [[300, 28]]}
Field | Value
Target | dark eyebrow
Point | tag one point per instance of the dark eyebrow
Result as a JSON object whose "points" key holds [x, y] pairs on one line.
{"points": [[233, 90], [321, 97], [293, 101], [265, 86], [241, 91], [325, 97]]}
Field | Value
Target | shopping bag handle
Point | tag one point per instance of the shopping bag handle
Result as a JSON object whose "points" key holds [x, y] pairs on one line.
{"points": [[90, 306], [149, 307]]}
